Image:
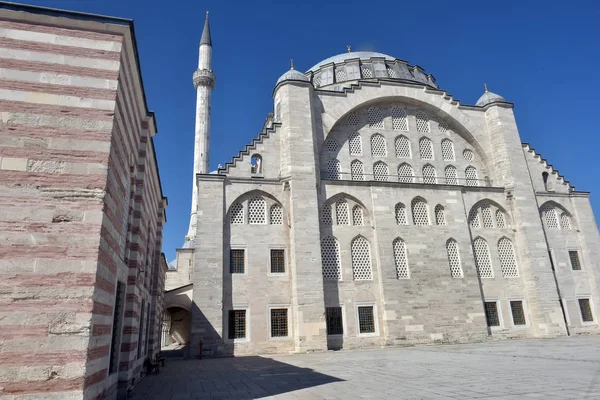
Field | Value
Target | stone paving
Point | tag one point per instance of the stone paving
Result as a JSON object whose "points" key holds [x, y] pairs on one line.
{"points": [[566, 368]]}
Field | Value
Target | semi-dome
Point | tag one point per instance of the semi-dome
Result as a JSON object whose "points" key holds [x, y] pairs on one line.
{"points": [[489, 98], [292, 75]]}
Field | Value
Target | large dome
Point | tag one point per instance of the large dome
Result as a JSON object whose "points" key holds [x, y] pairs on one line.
{"points": [[362, 55]]}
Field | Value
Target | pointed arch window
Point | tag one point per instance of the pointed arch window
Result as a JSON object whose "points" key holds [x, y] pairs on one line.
{"points": [[361, 259], [545, 180], [549, 216], [330, 256], [400, 213], [454, 259], [443, 127], [483, 261], [357, 216], [353, 119], [451, 175], [422, 122], [471, 175], [420, 211], [355, 144], [257, 209], [486, 214], [405, 173], [378, 147], [508, 262], [468, 155], [381, 171], [402, 145], [429, 175], [440, 215], [448, 150], [326, 218], [500, 220], [565, 221], [256, 166], [357, 171], [426, 149], [474, 221], [334, 169], [399, 119], [276, 215], [375, 117], [341, 212], [236, 214], [401, 259], [332, 146]]}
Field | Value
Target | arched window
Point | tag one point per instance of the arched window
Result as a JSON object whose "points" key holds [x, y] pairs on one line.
{"points": [[340, 74], [422, 122], [500, 220], [565, 221], [474, 221], [334, 169], [355, 144], [483, 261], [256, 165], [378, 147], [486, 213], [440, 215], [277, 112], [375, 118], [357, 171], [331, 145], [429, 175], [405, 173], [468, 155], [443, 127], [420, 212], [402, 147], [426, 149], [381, 171], [508, 262], [341, 212], [276, 215], [361, 259], [545, 180], [353, 119], [399, 120], [549, 216], [454, 259], [471, 175], [448, 150], [400, 259], [257, 209], [330, 257], [236, 214], [326, 218], [451, 175], [357, 216], [400, 212]]}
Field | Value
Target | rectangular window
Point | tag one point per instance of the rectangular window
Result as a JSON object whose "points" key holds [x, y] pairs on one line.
{"points": [[279, 322], [334, 321], [518, 313], [366, 321], [237, 324], [277, 261], [115, 342], [491, 313], [586, 310], [574, 257], [140, 330], [237, 261]]}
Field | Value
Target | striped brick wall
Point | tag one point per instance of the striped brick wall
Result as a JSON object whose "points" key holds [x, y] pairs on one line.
{"points": [[75, 144]]}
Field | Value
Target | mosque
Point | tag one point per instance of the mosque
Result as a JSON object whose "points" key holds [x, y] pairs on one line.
{"points": [[374, 209]]}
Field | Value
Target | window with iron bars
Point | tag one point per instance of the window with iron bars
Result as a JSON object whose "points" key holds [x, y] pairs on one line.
{"points": [[366, 320], [334, 321], [574, 257], [237, 261], [277, 261], [491, 313], [586, 310], [237, 324], [518, 313], [279, 322]]}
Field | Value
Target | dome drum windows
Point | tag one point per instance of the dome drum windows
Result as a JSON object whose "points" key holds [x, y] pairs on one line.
{"points": [[340, 74]]}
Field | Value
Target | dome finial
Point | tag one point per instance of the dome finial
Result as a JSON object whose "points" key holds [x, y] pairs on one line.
{"points": [[207, 14], [485, 86], [349, 48], [292, 63]]}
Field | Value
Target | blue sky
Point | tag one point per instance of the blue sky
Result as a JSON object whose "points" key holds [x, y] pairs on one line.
{"points": [[540, 55]]}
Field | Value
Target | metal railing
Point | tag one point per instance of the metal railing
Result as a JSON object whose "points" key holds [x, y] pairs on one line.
{"points": [[440, 180]]}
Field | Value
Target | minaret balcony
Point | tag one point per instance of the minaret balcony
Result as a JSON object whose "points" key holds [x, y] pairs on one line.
{"points": [[204, 77]]}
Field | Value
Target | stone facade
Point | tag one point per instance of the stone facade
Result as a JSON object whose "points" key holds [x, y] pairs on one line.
{"points": [[404, 217], [82, 207]]}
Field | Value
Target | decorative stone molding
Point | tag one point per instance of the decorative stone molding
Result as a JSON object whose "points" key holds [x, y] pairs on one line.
{"points": [[204, 77]]}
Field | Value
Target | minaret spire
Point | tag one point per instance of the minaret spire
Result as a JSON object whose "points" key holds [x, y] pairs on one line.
{"points": [[204, 82]]}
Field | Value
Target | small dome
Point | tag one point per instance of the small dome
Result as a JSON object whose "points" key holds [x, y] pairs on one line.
{"points": [[489, 98], [292, 75]]}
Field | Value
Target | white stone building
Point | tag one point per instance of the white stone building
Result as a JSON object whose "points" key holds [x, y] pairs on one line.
{"points": [[374, 209]]}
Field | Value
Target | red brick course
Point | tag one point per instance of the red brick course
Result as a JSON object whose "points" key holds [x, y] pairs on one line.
{"points": [[8, 43]]}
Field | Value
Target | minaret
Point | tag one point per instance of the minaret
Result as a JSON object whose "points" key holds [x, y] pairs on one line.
{"points": [[204, 82]]}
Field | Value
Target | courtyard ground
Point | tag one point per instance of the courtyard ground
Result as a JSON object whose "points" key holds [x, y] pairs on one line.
{"points": [[566, 368]]}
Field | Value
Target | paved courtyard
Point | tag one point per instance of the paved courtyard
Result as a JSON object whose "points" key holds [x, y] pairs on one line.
{"points": [[566, 368]]}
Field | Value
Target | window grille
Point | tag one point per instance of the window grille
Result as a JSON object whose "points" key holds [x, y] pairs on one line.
{"points": [[448, 150], [278, 112], [353, 119], [335, 325], [117, 325], [400, 212], [405, 173], [471, 175], [361, 259], [399, 119], [366, 72], [565, 222], [500, 220], [237, 324], [451, 175], [366, 320], [429, 175], [422, 122], [276, 215], [355, 144], [454, 259], [236, 213], [482, 258], [357, 170], [333, 169], [331, 145], [317, 81], [491, 313], [518, 313], [486, 214], [400, 259], [391, 73], [340, 75], [468, 155], [357, 216], [420, 212], [341, 212], [326, 218], [574, 258], [257, 211], [378, 147], [330, 256], [237, 263], [443, 127], [508, 262], [381, 171], [586, 310], [375, 118], [549, 215], [474, 221], [402, 147], [277, 261], [279, 322], [440, 215], [426, 149]]}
